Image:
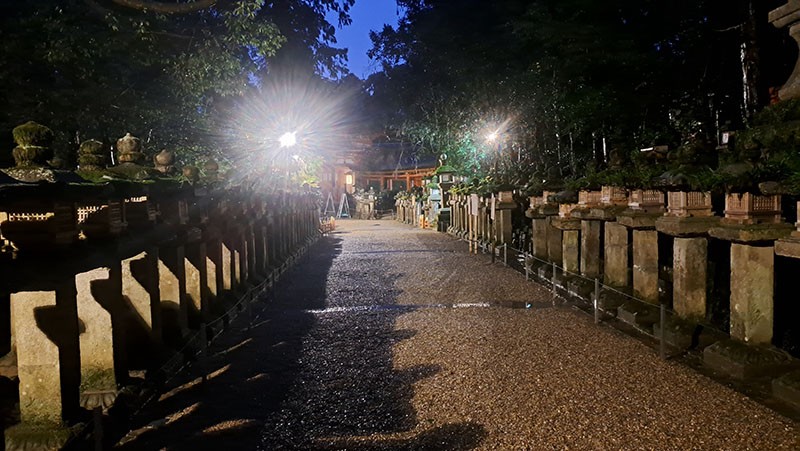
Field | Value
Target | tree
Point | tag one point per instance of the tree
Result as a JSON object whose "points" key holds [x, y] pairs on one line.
{"points": [[577, 79], [161, 70]]}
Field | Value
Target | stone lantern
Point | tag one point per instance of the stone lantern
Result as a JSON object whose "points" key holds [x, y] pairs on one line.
{"points": [[32, 153], [446, 176], [131, 159], [211, 170], [788, 15], [33, 145], [92, 156], [165, 162], [191, 174]]}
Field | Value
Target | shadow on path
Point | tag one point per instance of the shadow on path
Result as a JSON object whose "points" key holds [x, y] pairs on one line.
{"points": [[305, 378]]}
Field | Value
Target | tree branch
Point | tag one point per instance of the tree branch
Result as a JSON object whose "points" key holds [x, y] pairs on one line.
{"points": [[166, 8]]}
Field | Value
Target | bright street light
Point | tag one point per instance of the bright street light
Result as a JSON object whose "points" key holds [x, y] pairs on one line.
{"points": [[288, 139], [491, 137]]}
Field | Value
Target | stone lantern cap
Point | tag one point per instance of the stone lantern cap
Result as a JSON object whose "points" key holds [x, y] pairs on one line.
{"points": [[786, 14]]}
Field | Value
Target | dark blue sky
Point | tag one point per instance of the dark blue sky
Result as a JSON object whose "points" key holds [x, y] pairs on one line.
{"points": [[367, 15]]}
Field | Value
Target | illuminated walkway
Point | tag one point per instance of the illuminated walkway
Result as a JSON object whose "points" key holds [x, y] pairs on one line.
{"points": [[363, 348]]}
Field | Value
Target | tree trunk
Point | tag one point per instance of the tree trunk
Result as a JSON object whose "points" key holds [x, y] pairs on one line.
{"points": [[750, 59]]}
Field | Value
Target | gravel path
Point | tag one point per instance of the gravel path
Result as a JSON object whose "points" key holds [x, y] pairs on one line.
{"points": [[391, 338]]}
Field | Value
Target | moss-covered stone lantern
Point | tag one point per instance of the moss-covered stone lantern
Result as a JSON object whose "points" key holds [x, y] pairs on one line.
{"points": [[92, 156], [32, 153], [131, 159], [33, 145]]}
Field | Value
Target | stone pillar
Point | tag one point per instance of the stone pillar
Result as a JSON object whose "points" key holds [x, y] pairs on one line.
{"points": [[211, 272], [616, 255], [272, 244], [483, 222], [96, 296], [214, 253], [645, 265], [172, 289], [227, 263], [555, 251], [48, 364], [196, 289], [283, 238], [690, 262], [250, 246], [503, 226], [8, 348], [539, 231], [690, 266], [571, 251], [140, 291], [752, 281], [242, 258], [591, 251], [473, 222], [262, 256]]}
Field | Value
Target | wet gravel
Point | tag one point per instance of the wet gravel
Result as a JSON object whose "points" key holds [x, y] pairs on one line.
{"points": [[361, 349]]}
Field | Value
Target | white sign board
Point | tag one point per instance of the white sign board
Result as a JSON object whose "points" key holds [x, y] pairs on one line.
{"points": [[473, 204]]}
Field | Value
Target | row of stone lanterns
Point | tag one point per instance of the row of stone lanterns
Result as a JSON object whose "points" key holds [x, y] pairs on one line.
{"points": [[120, 272], [613, 235]]}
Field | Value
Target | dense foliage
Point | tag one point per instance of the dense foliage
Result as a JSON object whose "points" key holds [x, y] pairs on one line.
{"points": [[168, 72], [565, 88]]}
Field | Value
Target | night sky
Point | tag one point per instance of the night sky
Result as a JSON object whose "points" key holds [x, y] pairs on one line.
{"points": [[367, 15]]}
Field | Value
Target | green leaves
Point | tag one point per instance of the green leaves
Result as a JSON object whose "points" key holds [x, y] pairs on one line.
{"points": [[574, 77], [165, 71]]}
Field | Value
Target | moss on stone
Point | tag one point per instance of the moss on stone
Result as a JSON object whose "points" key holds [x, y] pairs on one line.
{"points": [[32, 134], [32, 435], [93, 161], [32, 175], [94, 176], [92, 147], [445, 168], [133, 171], [95, 379], [31, 156]]}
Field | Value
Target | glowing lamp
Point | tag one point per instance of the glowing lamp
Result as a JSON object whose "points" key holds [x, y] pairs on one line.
{"points": [[348, 179], [288, 139]]}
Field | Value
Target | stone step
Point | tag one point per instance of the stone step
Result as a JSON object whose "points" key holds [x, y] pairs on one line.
{"points": [[787, 389], [580, 288], [638, 314], [742, 361], [610, 301], [683, 334], [545, 272]]}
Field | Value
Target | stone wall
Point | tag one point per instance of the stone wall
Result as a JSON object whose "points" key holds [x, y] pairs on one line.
{"points": [[622, 247], [97, 297]]}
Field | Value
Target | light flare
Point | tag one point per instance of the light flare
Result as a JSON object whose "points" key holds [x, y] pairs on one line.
{"points": [[287, 125], [288, 139]]}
